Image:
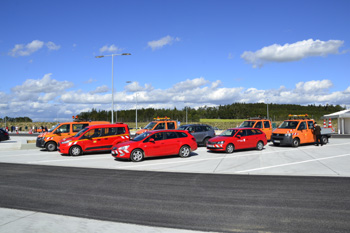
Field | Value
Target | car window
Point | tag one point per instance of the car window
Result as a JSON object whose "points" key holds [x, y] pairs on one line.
{"points": [[157, 136], [63, 129], [255, 131], [267, 124], [113, 131], [93, 133], [310, 124], [199, 128], [242, 133], [181, 134], [171, 125], [183, 127], [160, 126], [171, 135], [207, 128], [228, 132], [247, 124], [78, 127], [258, 125], [302, 125], [288, 125]]}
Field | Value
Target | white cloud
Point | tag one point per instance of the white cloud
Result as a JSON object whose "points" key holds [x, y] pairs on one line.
{"points": [[101, 89], [157, 44], [52, 99], [292, 52], [110, 49], [52, 46], [32, 47], [91, 80]]}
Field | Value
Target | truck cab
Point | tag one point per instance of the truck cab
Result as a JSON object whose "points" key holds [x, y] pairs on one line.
{"points": [[295, 131], [262, 124], [159, 123]]}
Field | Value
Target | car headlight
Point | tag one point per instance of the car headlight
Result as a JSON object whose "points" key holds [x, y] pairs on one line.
{"points": [[65, 142], [221, 142], [124, 147], [288, 134]]}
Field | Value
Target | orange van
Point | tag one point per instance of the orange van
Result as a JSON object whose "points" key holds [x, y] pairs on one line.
{"points": [[298, 130], [159, 123], [262, 124], [60, 131]]}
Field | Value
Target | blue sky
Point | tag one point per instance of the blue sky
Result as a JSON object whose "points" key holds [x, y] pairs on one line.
{"points": [[191, 53]]}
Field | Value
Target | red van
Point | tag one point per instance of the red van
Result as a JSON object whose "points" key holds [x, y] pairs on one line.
{"points": [[95, 138]]}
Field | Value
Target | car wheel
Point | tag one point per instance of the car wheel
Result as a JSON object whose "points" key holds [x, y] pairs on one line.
{"points": [[51, 146], [75, 151], [136, 155], [324, 139], [259, 145], [295, 142], [230, 148], [184, 152], [205, 141]]}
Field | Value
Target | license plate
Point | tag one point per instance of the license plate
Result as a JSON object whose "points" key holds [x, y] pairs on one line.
{"points": [[277, 141]]}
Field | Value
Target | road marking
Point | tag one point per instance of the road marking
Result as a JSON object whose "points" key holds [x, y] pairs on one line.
{"points": [[289, 164]]}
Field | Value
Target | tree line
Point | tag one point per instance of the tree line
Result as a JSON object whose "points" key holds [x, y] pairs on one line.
{"points": [[277, 112]]}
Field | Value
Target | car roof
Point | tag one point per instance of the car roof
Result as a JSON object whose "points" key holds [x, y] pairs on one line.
{"points": [[106, 125], [165, 130]]}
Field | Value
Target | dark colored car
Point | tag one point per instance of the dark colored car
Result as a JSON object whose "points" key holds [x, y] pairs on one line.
{"points": [[156, 143], [4, 135], [238, 138], [201, 132]]}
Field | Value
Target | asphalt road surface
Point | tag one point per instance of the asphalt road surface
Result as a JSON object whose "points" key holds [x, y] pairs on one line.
{"points": [[206, 202]]}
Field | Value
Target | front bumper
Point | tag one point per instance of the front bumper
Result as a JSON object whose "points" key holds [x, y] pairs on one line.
{"points": [[281, 139], [216, 147], [40, 142]]}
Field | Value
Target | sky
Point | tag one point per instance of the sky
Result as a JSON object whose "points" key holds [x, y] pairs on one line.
{"points": [[183, 53]]}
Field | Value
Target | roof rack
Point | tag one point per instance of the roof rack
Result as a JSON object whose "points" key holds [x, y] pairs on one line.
{"points": [[300, 116], [162, 119]]}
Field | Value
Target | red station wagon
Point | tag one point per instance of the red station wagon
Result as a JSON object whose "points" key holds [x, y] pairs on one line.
{"points": [[156, 143], [95, 138], [238, 138]]}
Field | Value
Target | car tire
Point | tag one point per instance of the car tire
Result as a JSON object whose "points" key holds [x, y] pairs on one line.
{"points": [[295, 142], [230, 148], [51, 146], [136, 155], [185, 151], [260, 145], [205, 141], [75, 151], [324, 139]]}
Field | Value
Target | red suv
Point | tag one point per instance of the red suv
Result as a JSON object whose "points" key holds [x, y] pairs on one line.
{"points": [[156, 143], [95, 138], [238, 138]]}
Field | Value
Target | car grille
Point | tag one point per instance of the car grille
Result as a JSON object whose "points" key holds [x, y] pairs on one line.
{"points": [[276, 134], [211, 143]]}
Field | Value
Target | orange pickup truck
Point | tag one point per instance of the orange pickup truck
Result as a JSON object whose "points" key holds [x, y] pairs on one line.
{"points": [[159, 123]]}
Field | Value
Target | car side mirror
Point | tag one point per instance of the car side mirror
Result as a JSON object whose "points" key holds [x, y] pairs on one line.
{"points": [[238, 136], [151, 140]]}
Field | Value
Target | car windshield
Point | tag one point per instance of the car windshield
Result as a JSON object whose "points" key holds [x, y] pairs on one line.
{"points": [[151, 125], [54, 127], [183, 127], [229, 132], [141, 136], [247, 124], [289, 125], [81, 132]]}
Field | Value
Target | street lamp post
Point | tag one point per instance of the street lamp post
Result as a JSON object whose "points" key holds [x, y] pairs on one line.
{"points": [[112, 55], [136, 105]]}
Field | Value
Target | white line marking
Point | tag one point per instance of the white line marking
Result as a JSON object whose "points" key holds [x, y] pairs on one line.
{"points": [[289, 164]]}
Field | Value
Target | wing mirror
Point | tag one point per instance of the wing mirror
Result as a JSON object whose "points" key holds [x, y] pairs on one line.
{"points": [[151, 140], [238, 136]]}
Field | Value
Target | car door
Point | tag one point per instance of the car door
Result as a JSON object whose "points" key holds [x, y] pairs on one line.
{"points": [[198, 133], [242, 141], [171, 143], [155, 146], [302, 132], [62, 132], [310, 127], [92, 140]]}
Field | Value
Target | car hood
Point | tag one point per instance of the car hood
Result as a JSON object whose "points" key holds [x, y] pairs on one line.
{"points": [[124, 144], [282, 131], [218, 138]]}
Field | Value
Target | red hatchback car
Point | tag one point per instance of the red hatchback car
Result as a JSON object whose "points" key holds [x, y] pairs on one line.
{"points": [[238, 138], [156, 143]]}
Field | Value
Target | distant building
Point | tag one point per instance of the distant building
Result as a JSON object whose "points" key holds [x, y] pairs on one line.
{"points": [[343, 120]]}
